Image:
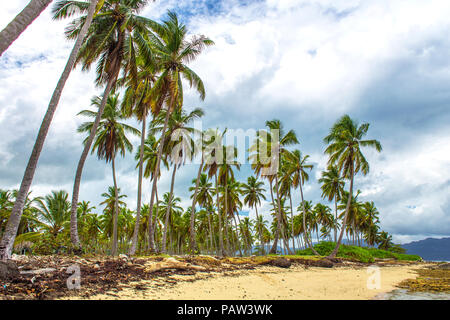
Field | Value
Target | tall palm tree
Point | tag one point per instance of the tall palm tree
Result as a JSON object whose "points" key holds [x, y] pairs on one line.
{"points": [[18, 25], [173, 52], [344, 148], [137, 102], [213, 156], [110, 140], [111, 43], [177, 129], [203, 193], [332, 188], [7, 241], [297, 166], [253, 192]]}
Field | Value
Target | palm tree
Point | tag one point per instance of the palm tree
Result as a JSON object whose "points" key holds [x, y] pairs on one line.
{"points": [[178, 128], [110, 140], [203, 194], [110, 42], [297, 164], [344, 142], [15, 28], [7, 241], [54, 212], [137, 101], [213, 156], [112, 198], [173, 52], [384, 240], [253, 193], [332, 188]]}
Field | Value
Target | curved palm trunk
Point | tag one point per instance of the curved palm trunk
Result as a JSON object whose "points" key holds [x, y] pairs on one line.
{"points": [[193, 243], [347, 208], [305, 231], [169, 205], [12, 226], [221, 252], [155, 178], [292, 217], [116, 210], [18, 25], [139, 195], [275, 241], [76, 186]]}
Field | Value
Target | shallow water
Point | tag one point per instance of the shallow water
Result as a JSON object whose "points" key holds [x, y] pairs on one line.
{"points": [[403, 294]]}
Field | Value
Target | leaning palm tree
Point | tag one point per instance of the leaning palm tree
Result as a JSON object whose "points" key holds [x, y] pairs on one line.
{"points": [[18, 25], [332, 188], [344, 148], [253, 192], [110, 139], [110, 41], [7, 241], [173, 51]]}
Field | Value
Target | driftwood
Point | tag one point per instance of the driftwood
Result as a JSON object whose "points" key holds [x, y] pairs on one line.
{"points": [[281, 262], [38, 271], [171, 263]]}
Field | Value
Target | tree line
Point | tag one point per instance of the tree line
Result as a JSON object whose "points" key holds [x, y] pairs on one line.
{"points": [[142, 65]]}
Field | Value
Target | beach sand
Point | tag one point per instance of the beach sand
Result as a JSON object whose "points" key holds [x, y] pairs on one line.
{"points": [[270, 283]]}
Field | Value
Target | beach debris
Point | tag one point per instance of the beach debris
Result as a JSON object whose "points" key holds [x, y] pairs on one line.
{"points": [[445, 266], [8, 270], [171, 263], [281, 262], [38, 271]]}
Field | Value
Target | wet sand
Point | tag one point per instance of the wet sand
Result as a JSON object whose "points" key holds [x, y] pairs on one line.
{"points": [[269, 283]]}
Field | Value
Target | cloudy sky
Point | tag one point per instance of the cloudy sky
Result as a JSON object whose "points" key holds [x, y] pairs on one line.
{"points": [[305, 62]]}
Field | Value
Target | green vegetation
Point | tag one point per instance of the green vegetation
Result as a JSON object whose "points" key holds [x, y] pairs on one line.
{"points": [[355, 253]]}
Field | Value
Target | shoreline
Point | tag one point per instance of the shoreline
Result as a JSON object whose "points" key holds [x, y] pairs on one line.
{"points": [[266, 283]]}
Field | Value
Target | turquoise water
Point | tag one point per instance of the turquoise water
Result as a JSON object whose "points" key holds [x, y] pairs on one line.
{"points": [[403, 294]]}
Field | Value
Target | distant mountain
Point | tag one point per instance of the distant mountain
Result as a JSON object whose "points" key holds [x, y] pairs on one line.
{"points": [[430, 249]]}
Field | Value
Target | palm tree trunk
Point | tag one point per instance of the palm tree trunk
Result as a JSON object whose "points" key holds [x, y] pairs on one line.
{"points": [[221, 252], [292, 217], [116, 209], [76, 187], [281, 220], [305, 231], [336, 218], [260, 231], [18, 25], [210, 232], [238, 233], [194, 200], [139, 195], [10, 232], [155, 178], [169, 205], [347, 208], [275, 241]]}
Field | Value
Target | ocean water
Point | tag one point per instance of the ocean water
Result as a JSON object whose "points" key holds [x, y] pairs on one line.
{"points": [[403, 294]]}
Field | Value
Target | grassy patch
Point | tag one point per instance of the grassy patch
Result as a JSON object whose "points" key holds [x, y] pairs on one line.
{"points": [[356, 253]]}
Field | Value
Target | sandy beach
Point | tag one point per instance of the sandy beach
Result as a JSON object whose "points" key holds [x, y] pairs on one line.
{"points": [[267, 282]]}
